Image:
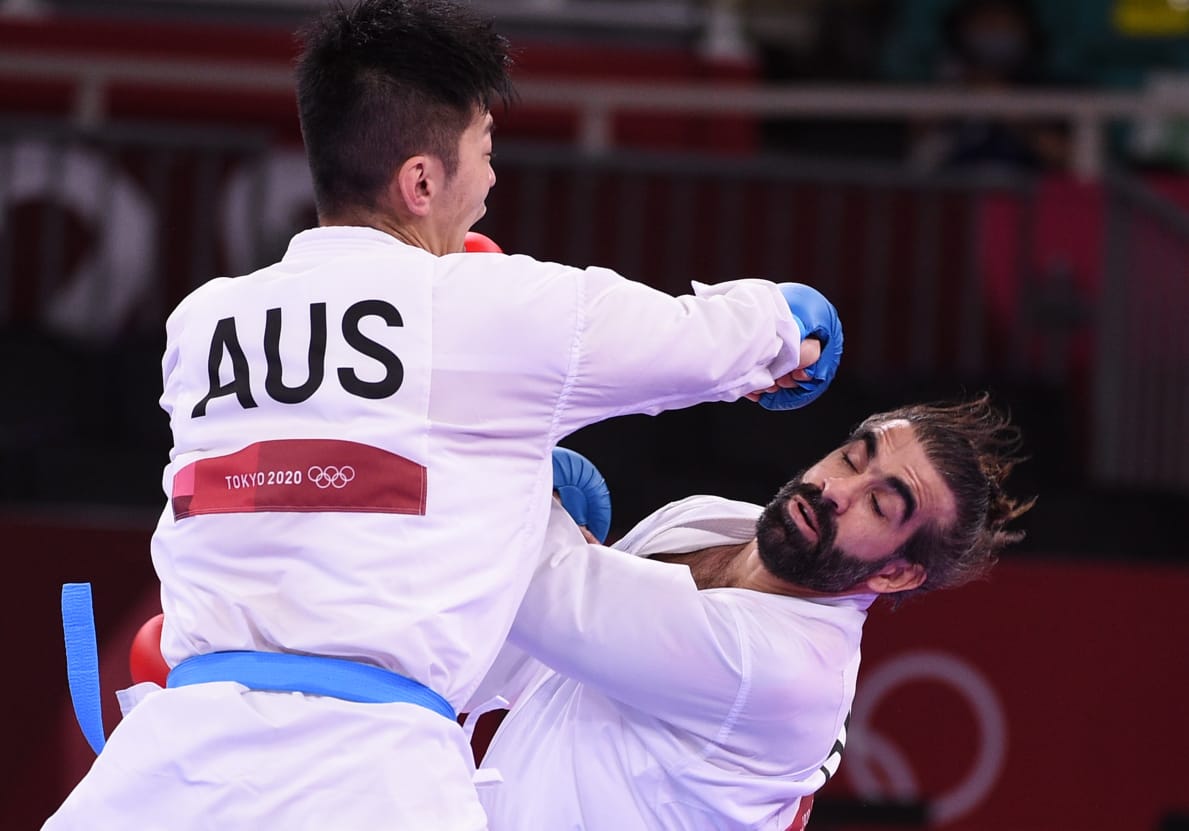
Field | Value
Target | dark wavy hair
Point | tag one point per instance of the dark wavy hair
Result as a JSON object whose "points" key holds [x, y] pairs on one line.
{"points": [[974, 447], [385, 80]]}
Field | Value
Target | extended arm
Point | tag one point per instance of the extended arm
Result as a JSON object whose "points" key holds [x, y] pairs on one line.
{"points": [[638, 630], [661, 352]]}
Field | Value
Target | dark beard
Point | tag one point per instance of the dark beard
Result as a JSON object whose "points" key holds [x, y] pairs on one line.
{"points": [[789, 555]]}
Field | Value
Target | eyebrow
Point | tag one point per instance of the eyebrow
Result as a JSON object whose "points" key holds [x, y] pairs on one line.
{"points": [[894, 482]]}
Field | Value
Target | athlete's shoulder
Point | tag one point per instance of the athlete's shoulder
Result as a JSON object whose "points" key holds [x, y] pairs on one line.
{"points": [[709, 520], [490, 267], [702, 507], [199, 295]]}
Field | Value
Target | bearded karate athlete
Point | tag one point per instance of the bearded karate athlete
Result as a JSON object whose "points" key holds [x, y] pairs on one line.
{"points": [[706, 681]]}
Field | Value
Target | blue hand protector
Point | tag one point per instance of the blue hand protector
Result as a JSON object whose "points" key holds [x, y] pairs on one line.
{"points": [[583, 491], [816, 317]]}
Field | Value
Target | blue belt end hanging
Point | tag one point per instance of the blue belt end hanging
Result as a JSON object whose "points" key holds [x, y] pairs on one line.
{"points": [[82, 661]]}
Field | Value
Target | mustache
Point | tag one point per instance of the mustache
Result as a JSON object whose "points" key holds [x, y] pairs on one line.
{"points": [[823, 518]]}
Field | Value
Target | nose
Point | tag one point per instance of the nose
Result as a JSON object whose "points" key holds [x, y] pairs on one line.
{"points": [[840, 492]]}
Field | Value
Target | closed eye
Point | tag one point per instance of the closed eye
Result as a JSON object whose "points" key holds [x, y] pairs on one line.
{"points": [[875, 507], [849, 463]]}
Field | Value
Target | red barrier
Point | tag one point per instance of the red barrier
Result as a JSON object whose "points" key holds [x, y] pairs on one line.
{"points": [[1048, 697]]}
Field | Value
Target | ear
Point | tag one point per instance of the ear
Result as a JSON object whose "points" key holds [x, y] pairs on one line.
{"points": [[415, 184], [897, 576]]}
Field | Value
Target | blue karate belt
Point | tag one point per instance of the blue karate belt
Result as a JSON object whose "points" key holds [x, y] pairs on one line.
{"points": [[311, 674], [272, 671], [82, 661]]}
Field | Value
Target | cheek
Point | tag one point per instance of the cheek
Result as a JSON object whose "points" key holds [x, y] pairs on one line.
{"points": [[480, 179], [862, 536]]}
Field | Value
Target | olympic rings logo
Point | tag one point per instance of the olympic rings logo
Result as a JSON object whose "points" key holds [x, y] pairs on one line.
{"points": [[869, 749], [331, 476]]}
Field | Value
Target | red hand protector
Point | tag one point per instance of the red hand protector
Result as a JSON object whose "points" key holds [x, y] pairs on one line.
{"points": [[476, 242], [144, 658]]}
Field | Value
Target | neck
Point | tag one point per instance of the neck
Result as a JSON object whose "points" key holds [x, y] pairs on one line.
{"points": [[417, 235]]}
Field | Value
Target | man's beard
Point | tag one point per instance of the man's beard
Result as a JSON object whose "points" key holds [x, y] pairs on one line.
{"points": [[789, 555]]}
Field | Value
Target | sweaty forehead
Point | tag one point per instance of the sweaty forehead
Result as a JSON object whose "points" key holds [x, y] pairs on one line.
{"points": [[902, 454], [897, 429]]}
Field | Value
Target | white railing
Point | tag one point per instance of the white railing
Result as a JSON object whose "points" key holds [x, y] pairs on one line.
{"points": [[1087, 114], [621, 14]]}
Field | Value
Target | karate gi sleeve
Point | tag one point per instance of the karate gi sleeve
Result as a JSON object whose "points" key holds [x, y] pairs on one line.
{"points": [[637, 629], [640, 350]]}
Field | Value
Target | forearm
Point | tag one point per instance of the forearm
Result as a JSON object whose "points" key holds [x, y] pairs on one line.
{"points": [[643, 351]]}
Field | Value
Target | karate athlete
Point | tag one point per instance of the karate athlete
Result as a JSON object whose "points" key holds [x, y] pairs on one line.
{"points": [[705, 682], [358, 488]]}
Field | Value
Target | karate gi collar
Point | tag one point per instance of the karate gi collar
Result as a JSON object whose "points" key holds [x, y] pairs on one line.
{"points": [[860, 601], [331, 238]]}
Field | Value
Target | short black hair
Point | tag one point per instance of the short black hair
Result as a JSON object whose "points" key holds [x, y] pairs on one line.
{"points": [[385, 80]]}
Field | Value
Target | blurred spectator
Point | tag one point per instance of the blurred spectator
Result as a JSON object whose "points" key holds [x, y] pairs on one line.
{"points": [[991, 45], [824, 42], [818, 40]]}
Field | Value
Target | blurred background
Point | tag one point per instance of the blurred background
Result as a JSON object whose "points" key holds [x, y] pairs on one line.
{"points": [[994, 193]]}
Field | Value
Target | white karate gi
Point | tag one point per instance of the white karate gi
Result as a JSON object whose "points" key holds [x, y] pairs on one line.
{"points": [[664, 707], [392, 513]]}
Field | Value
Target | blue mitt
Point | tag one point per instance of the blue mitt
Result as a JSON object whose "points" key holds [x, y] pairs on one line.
{"points": [[583, 491], [816, 317]]}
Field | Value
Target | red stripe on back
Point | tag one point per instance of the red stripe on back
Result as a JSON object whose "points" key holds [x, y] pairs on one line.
{"points": [[301, 475]]}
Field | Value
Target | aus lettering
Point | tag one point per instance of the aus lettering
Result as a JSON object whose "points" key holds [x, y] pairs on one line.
{"points": [[225, 343]]}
